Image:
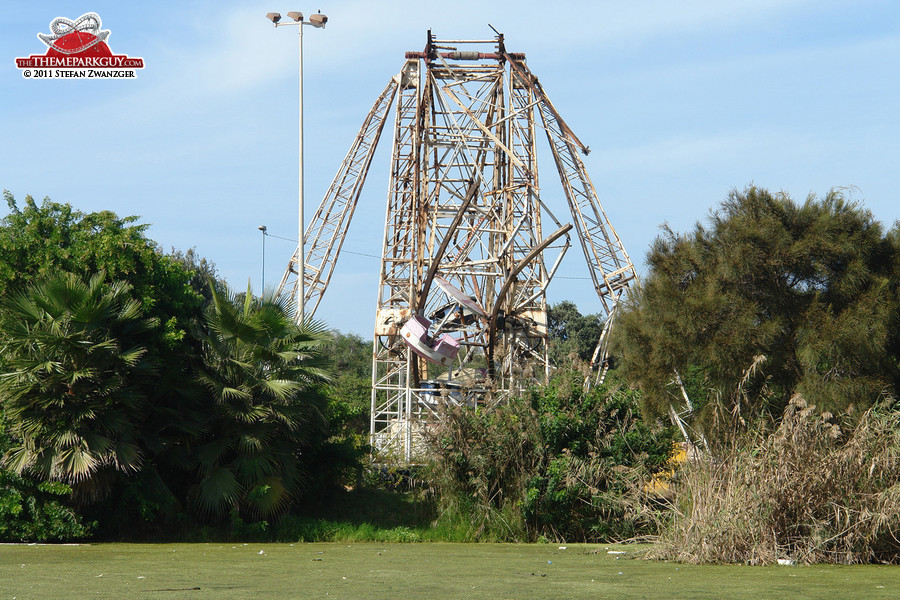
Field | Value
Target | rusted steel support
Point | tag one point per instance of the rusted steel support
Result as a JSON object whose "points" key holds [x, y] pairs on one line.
{"points": [[327, 230], [464, 209]]}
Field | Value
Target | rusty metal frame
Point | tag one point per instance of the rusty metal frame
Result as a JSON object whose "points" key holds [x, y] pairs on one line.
{"points": [[463, 203], [327, 230], [610, 268]]}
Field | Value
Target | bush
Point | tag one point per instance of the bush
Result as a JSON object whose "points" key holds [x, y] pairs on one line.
{"points": [[34, 512], [806, 492], [557, 463]]}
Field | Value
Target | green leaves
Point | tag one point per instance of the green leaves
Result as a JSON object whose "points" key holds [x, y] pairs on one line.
{"points": [[35, 512], [811, 288], [558, 460], [152, 389], [572, 335], [261, 371], [40, 241], [71, 351]]}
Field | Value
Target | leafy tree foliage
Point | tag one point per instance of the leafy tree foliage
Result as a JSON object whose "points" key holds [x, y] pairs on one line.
{"points": [[76, 384], [34, 510], [350, 388], [572, 335], [149, 395], [39, 241], [261, 371], [70, 386], [771, 298], [202, 273], [349, 397], [597, 450]]}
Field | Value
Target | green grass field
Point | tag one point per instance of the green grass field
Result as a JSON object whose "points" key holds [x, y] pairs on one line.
{"points": [[430, 570]]}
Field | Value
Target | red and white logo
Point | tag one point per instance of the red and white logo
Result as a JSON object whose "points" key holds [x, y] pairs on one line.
{"points": [[78, 49]]}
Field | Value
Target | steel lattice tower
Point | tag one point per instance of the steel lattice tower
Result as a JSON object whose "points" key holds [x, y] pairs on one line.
{"points": [[469, 246]]}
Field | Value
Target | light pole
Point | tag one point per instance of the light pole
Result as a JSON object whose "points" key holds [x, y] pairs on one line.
{"points": [[316, 20], [263, 286]]}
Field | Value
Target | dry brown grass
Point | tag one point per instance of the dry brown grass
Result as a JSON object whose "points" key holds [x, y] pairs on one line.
{"points": [[807, 492]]}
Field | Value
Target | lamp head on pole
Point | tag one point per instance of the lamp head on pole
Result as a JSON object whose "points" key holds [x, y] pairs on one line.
{"points": [[274, 17], [318, 20], [296, 15], [262, 228]]}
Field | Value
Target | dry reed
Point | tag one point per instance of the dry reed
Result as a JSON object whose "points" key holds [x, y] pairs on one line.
{"points": [[808, 492]]}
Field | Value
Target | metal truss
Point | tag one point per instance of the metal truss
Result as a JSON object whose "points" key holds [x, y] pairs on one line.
{"points": [[326, 231], [463, 205], [395, 408], [611, 270], [682, 419], [464, 246]]}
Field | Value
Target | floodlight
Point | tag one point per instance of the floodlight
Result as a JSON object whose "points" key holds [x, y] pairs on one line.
{"points": [[318, 20], [296, 15], [274, 17]]}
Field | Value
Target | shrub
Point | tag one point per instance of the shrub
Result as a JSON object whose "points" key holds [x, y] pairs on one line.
{"points": [[556, 463], [807, 492], [34, 512]]}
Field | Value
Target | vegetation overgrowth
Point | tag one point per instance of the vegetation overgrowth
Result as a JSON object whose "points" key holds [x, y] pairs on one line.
{"points": [[557, 464], [783, 321], [772, 298], [140, 395], [142, 399], [808, 492]]}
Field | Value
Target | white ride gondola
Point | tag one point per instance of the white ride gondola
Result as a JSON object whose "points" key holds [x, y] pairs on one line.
{"points": [[440, 351], [443, 349]]}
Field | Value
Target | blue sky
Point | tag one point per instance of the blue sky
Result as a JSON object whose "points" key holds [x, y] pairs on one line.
{"points": [[679, 101]]}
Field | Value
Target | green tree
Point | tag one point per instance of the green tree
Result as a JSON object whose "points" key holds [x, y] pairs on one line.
{"points": [[34, 510], [201, 272], [349, 396], [262, 372], [572, 335], [38, 241], [71, 386], [349, 391], [150, 395], [772, 298]]}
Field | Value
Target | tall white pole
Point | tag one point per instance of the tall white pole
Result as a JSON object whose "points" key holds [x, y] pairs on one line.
{"points": [[316, 20], [301, 293], [262, 286]]}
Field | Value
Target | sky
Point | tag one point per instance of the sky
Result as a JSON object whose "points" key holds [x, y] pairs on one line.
{"points": [[680, 102]]}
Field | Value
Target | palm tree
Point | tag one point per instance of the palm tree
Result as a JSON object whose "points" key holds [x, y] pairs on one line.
{"points": [[261, 371], [69, 383]]}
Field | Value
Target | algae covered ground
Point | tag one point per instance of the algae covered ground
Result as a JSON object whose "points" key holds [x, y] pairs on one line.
{"points": [[430, 570]]}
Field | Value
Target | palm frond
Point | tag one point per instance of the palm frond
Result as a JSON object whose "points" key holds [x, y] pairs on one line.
{"points": [[75, 464], [218, 491]]}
